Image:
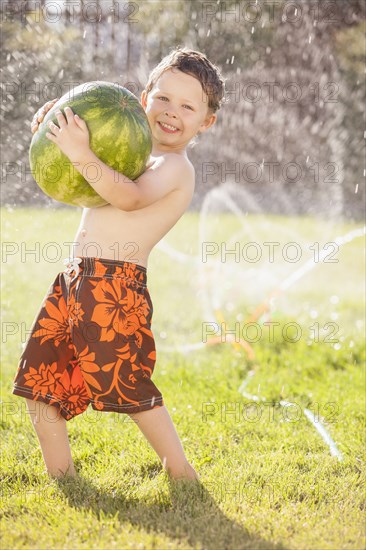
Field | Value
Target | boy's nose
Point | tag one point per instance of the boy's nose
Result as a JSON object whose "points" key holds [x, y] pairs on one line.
{"points": [[170, 113]]}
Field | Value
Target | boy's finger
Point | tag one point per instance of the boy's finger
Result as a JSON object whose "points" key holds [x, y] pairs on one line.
{"points": [[53, 126], [60, 118], [69, 115], [46, 107], [80, 121], [50, 104], [40, 115]]}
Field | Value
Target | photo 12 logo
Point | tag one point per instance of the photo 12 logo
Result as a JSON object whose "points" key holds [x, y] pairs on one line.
{"points": [[253, 252], [53, 252], [269, 92], [72, 11], [268, 411], [268, 332], [257, 12], [22, 92], [271, 172]]}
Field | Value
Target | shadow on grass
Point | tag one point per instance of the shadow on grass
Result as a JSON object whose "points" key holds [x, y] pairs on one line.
{"points": [[188, 513]]}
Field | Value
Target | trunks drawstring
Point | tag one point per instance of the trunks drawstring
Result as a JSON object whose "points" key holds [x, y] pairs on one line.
{"points": [[73, 265]]}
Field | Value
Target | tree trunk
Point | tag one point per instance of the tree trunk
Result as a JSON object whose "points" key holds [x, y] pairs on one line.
{"points": [[113, 40], [128, 53], [25, 8], [96, 36], [67, 12]]}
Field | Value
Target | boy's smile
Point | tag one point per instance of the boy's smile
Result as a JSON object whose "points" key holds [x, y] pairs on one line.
{"points": [[168, 128], [176, 108]]}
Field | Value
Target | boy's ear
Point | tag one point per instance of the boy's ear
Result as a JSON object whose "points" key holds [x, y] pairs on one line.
{"points": [[210, 121], [143, 98]]}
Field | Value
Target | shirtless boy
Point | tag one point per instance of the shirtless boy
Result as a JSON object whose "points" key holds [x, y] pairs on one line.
{"points": [[64, 369]]}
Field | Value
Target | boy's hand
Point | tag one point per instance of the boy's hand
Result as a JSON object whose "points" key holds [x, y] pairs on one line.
{"points": [[71, 136], [41, 113]]}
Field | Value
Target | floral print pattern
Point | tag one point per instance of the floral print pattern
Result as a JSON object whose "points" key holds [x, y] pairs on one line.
{"points": [[91, 342]]}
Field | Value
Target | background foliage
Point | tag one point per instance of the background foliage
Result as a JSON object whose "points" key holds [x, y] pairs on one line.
{"points": [[294, 73]]}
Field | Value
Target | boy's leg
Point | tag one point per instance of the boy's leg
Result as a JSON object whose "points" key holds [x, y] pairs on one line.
{"points": [[51, 430], [159, 430], [49, 375]]}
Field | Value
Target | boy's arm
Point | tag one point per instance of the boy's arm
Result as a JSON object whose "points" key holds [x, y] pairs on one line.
{"points": [[172, 171], [168, 174]]}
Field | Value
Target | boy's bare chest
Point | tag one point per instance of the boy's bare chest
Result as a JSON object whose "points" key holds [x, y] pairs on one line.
{"points": [[115, 234]]}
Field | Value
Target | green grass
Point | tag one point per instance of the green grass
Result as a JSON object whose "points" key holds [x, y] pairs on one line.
{"points": [[267, 481]]}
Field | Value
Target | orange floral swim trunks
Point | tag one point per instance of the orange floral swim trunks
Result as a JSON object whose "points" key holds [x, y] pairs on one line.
{"points": [[91, 341]]}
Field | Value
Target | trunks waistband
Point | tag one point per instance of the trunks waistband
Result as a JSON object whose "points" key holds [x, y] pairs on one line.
{"points": [[85, 266]]}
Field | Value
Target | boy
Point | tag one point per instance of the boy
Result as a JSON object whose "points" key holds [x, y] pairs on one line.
{"points": [[91, 342]]}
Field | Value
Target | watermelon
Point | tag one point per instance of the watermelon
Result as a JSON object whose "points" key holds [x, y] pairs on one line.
{"points": [[120, 136]]}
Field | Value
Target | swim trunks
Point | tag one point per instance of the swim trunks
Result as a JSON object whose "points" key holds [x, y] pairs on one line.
{"points": [[91, 341]]}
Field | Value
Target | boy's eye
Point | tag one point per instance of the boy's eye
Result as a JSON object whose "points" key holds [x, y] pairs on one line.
{"points": [[164, 97]]}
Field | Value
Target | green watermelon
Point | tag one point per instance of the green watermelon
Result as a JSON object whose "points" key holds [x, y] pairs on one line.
{"points": [[120, 136]]}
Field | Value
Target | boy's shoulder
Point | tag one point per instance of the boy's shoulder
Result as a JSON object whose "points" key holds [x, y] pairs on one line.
{"points": [[175, 161], [166, 174], [174, 165]]}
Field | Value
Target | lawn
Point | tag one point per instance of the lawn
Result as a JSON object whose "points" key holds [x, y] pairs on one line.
{"points": [[268, 478]]}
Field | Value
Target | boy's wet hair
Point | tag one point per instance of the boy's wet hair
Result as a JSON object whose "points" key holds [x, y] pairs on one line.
{"points": [[195, 64]]}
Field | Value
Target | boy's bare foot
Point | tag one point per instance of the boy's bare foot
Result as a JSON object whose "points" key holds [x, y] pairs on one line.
{"points": [[63, 475], [189, 474], [41, 113]]}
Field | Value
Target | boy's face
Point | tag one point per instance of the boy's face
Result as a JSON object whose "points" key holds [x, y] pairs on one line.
{"points": [[177, 100]]}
